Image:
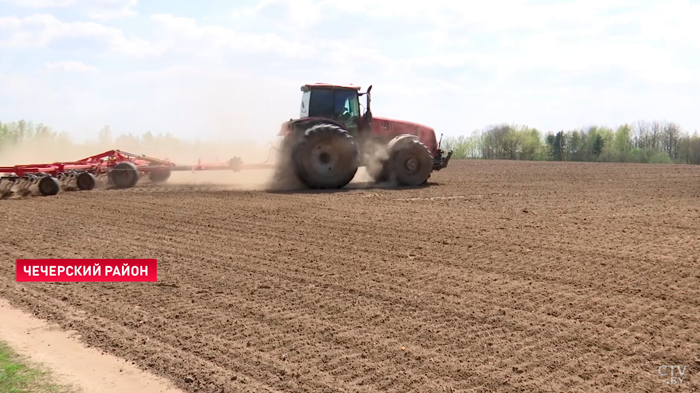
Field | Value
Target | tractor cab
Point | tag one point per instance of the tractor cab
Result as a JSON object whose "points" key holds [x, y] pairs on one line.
{"points": [[336, 102]]}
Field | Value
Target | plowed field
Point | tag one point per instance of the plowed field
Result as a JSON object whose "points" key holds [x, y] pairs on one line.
{"points": [[498, 276]]}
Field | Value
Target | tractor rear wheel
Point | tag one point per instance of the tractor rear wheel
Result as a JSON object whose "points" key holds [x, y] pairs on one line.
{"points": [[326, 157], [410, 161], [124, 175]]}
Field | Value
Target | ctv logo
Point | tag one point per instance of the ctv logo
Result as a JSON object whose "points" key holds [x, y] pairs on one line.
{"points": [[675, 373]]}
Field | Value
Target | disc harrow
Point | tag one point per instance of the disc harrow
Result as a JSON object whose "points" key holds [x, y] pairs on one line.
{"points": [[113, 169]]}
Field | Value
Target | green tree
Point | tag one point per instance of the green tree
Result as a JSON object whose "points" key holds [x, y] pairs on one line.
{"points": [[598, 144], [550, 140], [574, 143], [559, 146], [622, 142]]}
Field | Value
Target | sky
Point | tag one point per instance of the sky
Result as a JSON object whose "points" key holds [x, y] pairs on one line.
{"points": [[214, 69]]}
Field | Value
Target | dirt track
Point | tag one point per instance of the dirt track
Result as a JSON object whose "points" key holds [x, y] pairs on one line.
{"points": [[499, 276]]}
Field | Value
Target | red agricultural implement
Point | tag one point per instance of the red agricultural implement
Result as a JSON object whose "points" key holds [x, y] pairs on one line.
{"points": [[121, 170]]}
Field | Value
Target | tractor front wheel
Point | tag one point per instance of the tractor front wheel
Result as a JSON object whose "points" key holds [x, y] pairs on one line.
{"points": [[326, 157], [410, 161]]}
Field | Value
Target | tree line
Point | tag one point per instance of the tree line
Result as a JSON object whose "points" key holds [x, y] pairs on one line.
{"points": [[23, 142], [641, 142], [22, 132]]}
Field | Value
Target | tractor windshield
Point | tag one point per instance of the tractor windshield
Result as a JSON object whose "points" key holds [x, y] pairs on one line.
{"points": [[338, 104]]}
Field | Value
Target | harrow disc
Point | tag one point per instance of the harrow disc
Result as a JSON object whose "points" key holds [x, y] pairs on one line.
{"points": [[49, 185], [85, 181], [124, 175], [159, 176], [6, 185]]}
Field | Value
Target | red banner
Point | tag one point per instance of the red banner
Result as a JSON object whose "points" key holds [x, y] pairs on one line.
{"points": [[87, 270]]}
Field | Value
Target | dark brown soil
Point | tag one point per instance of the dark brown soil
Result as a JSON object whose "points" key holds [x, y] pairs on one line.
{"points": [[498, 276]]}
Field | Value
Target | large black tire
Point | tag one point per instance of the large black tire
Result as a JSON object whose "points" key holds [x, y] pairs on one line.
{"points": [[410, 162], [85, 181], [49, 185], [124, 175], [326, 157]]}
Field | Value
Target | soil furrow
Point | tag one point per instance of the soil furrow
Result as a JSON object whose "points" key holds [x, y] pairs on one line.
{"points": [[498, 276]]}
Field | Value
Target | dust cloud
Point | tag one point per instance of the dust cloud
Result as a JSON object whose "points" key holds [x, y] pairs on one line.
{"points": [[275, 175], [375, 154]]}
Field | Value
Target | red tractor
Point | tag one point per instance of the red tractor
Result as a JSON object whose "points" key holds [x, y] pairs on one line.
{"points": [[329, 142]]}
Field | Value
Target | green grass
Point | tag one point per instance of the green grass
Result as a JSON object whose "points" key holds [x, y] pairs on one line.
{"points": [[17, 376]]}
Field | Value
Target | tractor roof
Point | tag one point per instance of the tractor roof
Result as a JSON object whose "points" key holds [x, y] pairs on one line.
{"points": [[310, 86]]}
